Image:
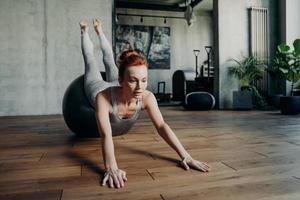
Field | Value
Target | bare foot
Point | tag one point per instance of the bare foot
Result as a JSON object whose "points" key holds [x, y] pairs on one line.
{"points": [[97, 25], [83, 26]]}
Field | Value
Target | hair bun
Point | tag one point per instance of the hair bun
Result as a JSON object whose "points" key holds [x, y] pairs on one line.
{"points": [[128, 58], [127, 53]]}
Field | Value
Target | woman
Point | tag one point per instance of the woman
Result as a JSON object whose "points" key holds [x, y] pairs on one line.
{"points": [[119, 101]]}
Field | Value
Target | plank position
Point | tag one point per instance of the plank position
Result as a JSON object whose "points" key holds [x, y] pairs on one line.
{"points": [[119, 100]]}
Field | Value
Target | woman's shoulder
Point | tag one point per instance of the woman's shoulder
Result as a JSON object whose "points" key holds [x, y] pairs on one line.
{"points": [[107, 93], [148, 97], [147, 94], [104, 98], [104, 94]]}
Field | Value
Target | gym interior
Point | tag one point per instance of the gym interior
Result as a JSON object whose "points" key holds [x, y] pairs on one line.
{"points": [[225, 74]]}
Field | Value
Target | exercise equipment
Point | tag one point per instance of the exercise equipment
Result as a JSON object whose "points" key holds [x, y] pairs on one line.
{"points": [[179, 80], [199, 101], [78, 113]]}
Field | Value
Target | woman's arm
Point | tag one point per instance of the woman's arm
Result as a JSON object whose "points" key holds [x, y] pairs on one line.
{"points": [[169, 136], [102, 116], [113, 175]]}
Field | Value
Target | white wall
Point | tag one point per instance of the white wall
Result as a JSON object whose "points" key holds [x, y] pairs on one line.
{"points": [[183, 40], [292, 20], [40, 51], [232, 33], [232, 43]]}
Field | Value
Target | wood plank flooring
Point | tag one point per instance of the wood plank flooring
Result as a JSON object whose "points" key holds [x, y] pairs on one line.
{"points": [[253, 154]]}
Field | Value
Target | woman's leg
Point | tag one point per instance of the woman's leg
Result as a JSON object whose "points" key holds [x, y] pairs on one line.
{"points": [[108, 58], [93, 82]]}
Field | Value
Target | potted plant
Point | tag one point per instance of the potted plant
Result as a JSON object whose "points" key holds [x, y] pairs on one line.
{"points": [[248, 71], [288, 63]]}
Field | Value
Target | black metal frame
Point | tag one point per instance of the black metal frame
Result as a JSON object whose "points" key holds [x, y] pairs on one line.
{"points": [[147, 6]]}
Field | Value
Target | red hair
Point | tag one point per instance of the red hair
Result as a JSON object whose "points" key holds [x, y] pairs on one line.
{"points": [[129, 58]]}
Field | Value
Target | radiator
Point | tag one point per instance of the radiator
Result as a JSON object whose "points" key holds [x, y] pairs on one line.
{"points": [[259, 41]]}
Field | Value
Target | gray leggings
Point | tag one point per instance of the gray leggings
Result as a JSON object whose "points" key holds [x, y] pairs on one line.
{"points": [[93, 82]]}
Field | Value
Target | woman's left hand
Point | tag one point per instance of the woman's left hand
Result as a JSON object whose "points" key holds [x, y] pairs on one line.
{"points": [[189, 162]]}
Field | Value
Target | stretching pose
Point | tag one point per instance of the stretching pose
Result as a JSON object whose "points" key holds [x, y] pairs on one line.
{"points": [[119, 100]]}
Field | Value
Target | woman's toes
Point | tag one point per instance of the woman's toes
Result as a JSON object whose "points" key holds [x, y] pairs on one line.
{"points": [[96, 22], [83, 25], [97, 25]]}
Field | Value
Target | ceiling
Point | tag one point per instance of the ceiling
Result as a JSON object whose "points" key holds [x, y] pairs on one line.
{"points": [[164, 5], [205, 5]]}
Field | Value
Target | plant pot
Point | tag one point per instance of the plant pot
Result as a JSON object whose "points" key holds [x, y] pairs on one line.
{"points": [[245, 88], [296, 92], [290, 105], [242, 100]]}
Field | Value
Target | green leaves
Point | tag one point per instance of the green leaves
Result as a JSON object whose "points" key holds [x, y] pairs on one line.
{"points": [[247, 71], [296, 45], [285, 71], [283, 48], [287, 61]]}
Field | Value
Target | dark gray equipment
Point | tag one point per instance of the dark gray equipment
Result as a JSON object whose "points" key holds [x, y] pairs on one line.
{"points": [[179, 80]]}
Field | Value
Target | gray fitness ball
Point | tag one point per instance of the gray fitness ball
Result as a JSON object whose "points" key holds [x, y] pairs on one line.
{"points": [[78, 113]]}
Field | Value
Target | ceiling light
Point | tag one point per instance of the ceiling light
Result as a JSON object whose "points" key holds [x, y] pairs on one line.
{"points": [[189, 15]]}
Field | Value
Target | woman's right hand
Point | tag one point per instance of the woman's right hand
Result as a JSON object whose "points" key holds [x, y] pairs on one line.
{"points": [[115, 178]]}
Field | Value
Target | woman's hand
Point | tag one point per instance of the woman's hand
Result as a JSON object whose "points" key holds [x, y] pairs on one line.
{"points": [[188, 162], [114, 177]]}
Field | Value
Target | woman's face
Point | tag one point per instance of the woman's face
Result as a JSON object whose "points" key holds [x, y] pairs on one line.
{"points": [[134, 82]]}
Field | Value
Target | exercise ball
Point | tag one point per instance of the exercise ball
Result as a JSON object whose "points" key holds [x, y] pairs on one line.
{"points": [[78, 113], [199, 101]]}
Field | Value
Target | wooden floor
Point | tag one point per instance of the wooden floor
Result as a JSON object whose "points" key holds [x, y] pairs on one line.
{"points": [[254, 155]]}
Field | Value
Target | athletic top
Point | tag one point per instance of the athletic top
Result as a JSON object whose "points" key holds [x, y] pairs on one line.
{"points": [[121, 126]]}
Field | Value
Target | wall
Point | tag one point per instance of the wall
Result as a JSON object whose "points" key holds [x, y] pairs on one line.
{"points": [[40, 46], [292, 21], [232, 41], [40, 51], [231, 21], [183, 40]]}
